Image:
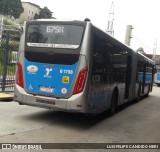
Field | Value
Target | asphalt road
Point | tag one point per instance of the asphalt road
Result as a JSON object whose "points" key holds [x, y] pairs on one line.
{"points": [[134, 123]]}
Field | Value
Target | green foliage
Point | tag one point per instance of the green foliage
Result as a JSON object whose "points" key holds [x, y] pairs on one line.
{"points": [[36, 16], [11, 7], [1, 56], [10, 62], [5, 22], [44, 13]]}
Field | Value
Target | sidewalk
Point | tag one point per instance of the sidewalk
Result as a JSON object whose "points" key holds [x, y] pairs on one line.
{"points": [[6, 96]]}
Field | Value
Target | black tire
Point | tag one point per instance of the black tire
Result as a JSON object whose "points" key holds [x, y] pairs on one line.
{"points": [[113, 107], [148, 91], [138, 96]]}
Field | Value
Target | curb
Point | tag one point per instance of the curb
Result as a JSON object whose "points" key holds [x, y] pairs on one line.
{"points": [[6, 97]]}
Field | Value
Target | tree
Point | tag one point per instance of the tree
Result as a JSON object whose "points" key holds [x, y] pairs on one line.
{"points": [[36, 16], [11, 7], [44, 13]]}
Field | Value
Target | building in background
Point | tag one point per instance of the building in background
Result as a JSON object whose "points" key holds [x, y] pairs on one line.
{"points": [[30, 9]]}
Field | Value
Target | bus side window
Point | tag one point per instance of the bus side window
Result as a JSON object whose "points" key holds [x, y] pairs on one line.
{"points": [[140, 71], [98, 55], [101, 60], [97, 62]]}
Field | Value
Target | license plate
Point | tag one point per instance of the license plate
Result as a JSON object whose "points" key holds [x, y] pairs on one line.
{"points": [[45, 101], [46, 89]]}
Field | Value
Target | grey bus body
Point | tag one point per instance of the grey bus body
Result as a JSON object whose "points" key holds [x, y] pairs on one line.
{"points": [[112, 73], [157, 76]]}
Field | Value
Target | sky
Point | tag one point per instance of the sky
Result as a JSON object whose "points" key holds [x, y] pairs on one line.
{"points": [[143, 15]]}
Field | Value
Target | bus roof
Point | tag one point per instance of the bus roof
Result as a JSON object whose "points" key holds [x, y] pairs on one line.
{"points": [[114, 40], [148, 59], [57, 20]]}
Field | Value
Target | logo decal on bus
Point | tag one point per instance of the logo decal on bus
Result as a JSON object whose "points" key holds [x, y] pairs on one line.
{"points": [[65, 79], [48, 70], [64, 90], [30, 87], [32, 68], [46, 89]]}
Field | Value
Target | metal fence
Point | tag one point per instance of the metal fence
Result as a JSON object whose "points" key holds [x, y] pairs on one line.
{"points": [[8, 56]]}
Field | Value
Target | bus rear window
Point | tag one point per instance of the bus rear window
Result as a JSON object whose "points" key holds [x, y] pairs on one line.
{"points": [[54, 36], [55, 58]]}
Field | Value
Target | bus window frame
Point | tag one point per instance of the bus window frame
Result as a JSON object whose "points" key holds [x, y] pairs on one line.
{"points": [[57, 50]]}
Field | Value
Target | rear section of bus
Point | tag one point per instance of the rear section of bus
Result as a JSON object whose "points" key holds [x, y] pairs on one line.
{"points": [[157, 76], [52, 68]]}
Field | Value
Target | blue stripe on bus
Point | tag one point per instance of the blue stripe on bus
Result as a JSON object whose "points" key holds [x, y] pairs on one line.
{"points": [[148, 77], [158, 76]]}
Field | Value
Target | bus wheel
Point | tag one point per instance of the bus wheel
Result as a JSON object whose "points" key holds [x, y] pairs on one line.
{"points": [[148, 91], [113, 107], [138, 96]]}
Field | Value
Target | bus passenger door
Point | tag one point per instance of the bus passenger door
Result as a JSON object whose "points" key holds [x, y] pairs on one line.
{"points": [[128, 76], [144, 78]]}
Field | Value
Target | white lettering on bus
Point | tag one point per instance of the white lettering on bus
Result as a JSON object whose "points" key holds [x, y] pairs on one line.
{"points": [[55, 29], [66, 71]]}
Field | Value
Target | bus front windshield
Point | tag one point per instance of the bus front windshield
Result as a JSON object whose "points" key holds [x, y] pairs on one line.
{"points": [[54, 36]]}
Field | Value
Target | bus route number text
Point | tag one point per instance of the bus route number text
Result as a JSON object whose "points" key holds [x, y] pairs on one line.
{"points": [[55, 29]]}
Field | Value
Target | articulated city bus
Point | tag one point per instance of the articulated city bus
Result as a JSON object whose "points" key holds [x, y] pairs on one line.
{"points": [[156, 59], [74, 66]]}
